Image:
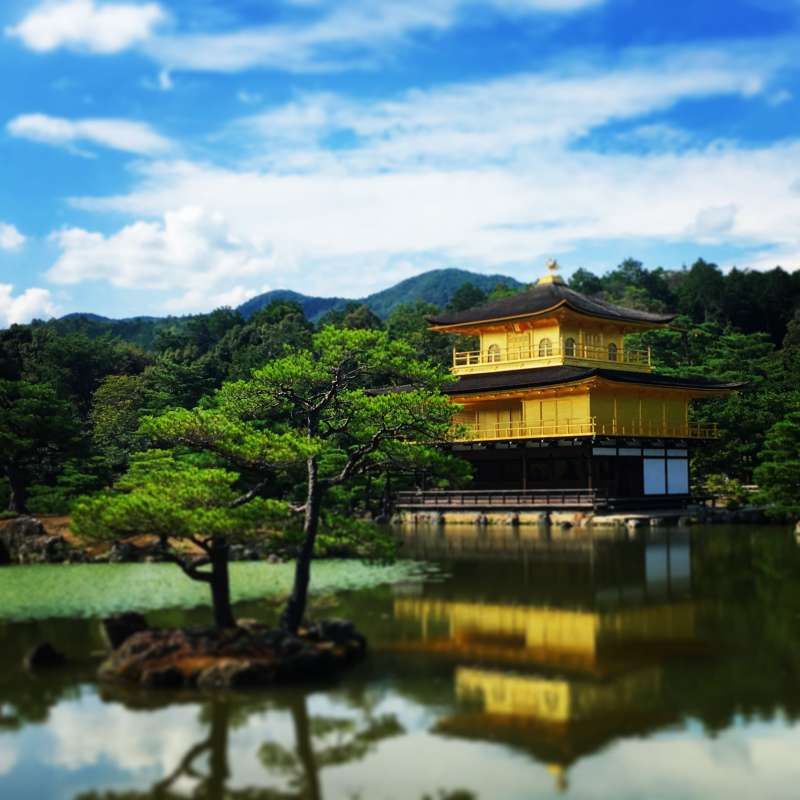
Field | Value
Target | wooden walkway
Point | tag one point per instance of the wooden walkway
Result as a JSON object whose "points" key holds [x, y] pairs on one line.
{"points": [[517, 500]]}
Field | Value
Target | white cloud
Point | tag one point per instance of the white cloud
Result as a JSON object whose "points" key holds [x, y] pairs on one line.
{"points": [[353, 34], [10, 237], [117, 134], [501, 120], [334, 35], [190, 252], [712, 223], [33, 303], [497, 175], [87, 25]]}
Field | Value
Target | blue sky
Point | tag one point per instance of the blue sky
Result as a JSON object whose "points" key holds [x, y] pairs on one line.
{"points": [[171, 156]]}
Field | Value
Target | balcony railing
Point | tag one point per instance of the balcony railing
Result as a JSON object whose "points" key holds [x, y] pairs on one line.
{"points": [[556, 353], [589, 426]]}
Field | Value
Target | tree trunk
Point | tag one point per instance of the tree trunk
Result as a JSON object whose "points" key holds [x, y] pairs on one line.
{"points": [[305, 748], [18, 495], [295, 610], [220, 584], [218, 769]]}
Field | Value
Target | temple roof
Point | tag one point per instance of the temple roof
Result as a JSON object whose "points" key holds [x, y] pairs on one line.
{"points": [[544, 296], [553, 376]]}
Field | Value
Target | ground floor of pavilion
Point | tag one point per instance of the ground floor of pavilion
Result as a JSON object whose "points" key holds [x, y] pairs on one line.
{"points": [[614, 467]]}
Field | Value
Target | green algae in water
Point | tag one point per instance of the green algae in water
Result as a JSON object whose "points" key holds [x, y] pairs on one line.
{"points": [[95, 590]]}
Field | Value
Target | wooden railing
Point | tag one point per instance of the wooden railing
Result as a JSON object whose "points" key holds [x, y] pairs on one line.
{"points": [[557, 351], [502, 498], [588, 426]]}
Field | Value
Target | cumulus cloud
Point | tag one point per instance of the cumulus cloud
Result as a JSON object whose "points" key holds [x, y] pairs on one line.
{"points": [[189, 252], [10, 237], [493, 175], [116, 134], [33, 303], [87, 25]]}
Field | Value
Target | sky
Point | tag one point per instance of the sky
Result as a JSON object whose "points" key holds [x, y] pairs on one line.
{"points": [[173, 156]]}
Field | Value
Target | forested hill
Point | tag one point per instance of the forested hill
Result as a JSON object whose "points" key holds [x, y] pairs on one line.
{"points": [[436, 287]]}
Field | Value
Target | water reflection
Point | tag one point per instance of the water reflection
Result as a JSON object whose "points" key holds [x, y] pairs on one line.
{"points": [[549, 678], [204, 770], [595, 667]]}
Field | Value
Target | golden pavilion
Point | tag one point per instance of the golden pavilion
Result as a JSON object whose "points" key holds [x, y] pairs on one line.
{"points": [[554, 398]]}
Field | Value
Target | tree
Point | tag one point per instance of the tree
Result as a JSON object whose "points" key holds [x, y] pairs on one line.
{"points": [[354, 404], [408, 322], [778, 475], [357, 316], [182, 505], [37, 431], [701, 291], [585, 282], [467, 296], [114, 416], [266, 335]]}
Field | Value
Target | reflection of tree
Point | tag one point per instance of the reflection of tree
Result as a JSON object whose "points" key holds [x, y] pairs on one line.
{"points": [[324, 742], [28, 697], [319, 742]]}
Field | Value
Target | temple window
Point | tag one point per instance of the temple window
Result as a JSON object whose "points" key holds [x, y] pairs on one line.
{"points": [[570, 347], [545, 348], [612, 352], [493, 353]]}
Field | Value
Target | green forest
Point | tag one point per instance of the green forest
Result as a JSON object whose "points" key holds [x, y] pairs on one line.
{"points": [[79, 396]]}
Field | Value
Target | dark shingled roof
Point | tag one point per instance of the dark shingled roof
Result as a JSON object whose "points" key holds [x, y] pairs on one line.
{"points": [[544, 296], [553, 376]]}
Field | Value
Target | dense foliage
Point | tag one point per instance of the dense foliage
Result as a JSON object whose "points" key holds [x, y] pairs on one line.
{"points": [[311, 426], [74, 392]]}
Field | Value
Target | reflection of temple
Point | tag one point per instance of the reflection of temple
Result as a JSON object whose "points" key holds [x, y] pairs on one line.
{"points": [[560, 677]]}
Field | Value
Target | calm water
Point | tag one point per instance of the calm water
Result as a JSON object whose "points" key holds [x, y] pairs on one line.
{"points": [[662, 666]]}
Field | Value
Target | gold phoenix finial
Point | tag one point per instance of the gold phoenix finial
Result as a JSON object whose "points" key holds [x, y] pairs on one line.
{"points": [[552, 275]]}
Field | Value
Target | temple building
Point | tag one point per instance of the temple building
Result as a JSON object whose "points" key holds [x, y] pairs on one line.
{"points": [[554, 398]]}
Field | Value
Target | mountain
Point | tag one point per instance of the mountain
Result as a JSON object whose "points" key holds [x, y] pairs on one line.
{"points": [[436, 286], [314, 307]]}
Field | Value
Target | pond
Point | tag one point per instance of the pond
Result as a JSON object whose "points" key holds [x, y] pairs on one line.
{"points": [[503, 664]]}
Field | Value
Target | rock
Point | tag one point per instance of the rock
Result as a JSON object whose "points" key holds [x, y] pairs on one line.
{"points": [[337, 631], [25, 528], [236, 674], [308, 663], [24, 540], [120, 627], [44, 656], [123, 553], [169, 677], [234, 658]]}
